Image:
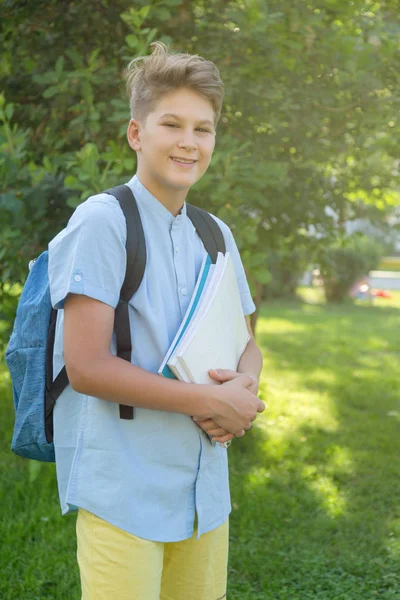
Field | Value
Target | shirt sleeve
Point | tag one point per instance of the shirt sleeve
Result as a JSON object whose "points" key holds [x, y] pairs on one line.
{"points": [[89, 256], [247, 302]]}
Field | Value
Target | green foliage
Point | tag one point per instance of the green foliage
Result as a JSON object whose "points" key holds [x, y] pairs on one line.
{"points": [[32, 201], [286, 265], [343, 264], [310, 117]]}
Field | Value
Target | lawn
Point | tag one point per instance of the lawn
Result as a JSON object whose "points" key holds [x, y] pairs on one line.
{"points": [[315, 485]]}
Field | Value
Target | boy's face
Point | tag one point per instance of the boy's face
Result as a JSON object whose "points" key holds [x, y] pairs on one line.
{"points": [[174, 144]]}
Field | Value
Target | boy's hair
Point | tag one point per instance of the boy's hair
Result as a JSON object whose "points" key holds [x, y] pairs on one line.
{"points": [[150, 77]]}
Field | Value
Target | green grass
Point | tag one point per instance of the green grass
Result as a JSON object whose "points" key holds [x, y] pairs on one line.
{"points": [[390, 263], [315, 485]]}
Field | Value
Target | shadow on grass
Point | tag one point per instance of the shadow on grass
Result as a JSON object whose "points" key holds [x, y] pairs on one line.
{"points": [[316, 498]]}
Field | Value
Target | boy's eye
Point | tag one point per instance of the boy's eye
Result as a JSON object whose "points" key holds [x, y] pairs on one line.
{"points": [[174, 125]]}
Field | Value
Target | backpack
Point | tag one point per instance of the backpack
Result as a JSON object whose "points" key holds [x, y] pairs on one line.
{"points": [[29, 354]]}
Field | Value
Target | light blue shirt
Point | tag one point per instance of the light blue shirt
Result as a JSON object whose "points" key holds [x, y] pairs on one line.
{"points": [[151, 475]]}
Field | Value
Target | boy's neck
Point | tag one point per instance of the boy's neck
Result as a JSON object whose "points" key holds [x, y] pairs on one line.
{"points": [[173, 200]]}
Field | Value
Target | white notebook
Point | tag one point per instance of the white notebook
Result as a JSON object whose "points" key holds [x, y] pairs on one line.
{"points": [[213, 333]]}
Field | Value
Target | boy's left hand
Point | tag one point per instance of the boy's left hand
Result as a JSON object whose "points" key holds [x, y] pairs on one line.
{"points": [[210, 427], [224, 375]]}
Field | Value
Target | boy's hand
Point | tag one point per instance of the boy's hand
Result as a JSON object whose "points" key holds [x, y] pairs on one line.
{"points": [[210, 427], [224, 375], [214, 431], [233, 407]]}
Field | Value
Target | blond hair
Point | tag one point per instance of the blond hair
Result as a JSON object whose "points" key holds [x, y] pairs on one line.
{"points": [[150, 77]]}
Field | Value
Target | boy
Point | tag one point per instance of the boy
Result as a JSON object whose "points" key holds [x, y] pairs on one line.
{"points": [[152, 493]]}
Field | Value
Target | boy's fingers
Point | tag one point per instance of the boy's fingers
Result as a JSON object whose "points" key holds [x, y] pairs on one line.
{"points": [[217, 432], [261, 407], [203, 423], [222, 375], [223, 438], [212, 428]]}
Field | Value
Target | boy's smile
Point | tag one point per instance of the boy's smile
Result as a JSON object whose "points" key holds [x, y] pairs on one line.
{"points": [[174, 145], [183, 162]]}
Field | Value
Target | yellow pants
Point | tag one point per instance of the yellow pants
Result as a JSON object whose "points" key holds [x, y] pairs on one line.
{"points": [[115, 565]]}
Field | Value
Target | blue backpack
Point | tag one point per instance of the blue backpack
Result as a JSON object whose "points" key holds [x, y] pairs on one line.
{"points": [[29, 354]]}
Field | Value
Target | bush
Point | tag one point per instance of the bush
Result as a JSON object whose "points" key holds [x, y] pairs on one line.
{"points": [[342, 265], [286, 265]]}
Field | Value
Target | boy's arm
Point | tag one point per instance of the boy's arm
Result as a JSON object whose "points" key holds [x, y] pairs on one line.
{"points": [[94, 371], [249, 364], [252, 360]]}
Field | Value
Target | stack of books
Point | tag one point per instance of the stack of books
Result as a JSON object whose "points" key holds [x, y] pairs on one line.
{"points": [[213, 333]]}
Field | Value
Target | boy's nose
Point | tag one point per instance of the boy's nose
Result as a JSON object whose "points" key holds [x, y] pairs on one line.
{"points": [[188, 141]]}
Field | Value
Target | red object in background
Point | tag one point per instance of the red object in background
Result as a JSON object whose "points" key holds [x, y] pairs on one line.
{"points": [[381, 294]]}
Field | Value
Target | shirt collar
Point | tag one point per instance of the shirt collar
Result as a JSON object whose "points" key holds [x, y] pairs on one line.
{"points": [[147, 201]]}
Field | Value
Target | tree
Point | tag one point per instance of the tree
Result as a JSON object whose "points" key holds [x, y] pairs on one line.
{"points": [[310, 117]]}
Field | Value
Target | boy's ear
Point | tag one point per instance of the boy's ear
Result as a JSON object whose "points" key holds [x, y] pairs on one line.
{"points": [[133, 134]]}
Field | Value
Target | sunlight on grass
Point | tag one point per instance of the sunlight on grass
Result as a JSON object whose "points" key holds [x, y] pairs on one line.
{"points": [[312, 295], [325, 376], [279, 326], [393, 302], [331, 498], [340, 459], [303, 407], [258, 475], [377, 343], [290, 417]]}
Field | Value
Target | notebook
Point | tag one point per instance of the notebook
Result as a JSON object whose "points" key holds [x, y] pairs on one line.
{"points": [[213, 333]]}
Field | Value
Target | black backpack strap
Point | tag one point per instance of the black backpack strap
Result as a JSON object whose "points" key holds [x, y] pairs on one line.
{"points": [[135, 267], [54, 388], [208, 230]]}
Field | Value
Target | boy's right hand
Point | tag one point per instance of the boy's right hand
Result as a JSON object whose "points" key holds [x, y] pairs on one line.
{"points": [[233, 407]]}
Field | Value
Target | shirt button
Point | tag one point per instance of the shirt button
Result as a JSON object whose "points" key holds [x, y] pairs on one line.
{"points": [[77, 278], [177, 249], [183, 291]]}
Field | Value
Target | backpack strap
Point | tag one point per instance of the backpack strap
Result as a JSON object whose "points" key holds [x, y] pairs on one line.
{"points": [[208, 231], [54, 388], [135, 267]]}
